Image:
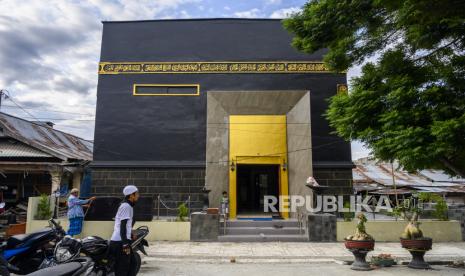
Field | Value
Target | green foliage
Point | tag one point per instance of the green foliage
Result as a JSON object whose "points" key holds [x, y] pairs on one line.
{"points": [[360, 232], [411, 208], [348, 216], [361, 223], [407, 208], [410, 104], [183, 212], [43, 208], [440, 207]]}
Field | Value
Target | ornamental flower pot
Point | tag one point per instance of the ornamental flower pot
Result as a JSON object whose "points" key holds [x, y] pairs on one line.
{"points": [[412, 238], [417, 248], [368, 245], [360, 250], [383, 260], [360, 244]]}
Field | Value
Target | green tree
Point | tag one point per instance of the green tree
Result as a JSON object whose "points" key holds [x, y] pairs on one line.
{"points": [[409, 104]]}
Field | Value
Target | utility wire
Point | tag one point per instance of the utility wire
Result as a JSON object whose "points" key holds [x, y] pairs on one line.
{"points": [[227, 161], [62, 119], [49, 110], [71, 119], [13, 101]]}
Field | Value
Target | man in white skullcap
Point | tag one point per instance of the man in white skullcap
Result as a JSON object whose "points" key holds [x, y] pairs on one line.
{"points": [[120, 243]]}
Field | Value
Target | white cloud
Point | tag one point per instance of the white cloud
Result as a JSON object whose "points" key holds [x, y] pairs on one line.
{"points": [[49, 54], [284, 13], [273, 2], [359, 150], [253, 13]]}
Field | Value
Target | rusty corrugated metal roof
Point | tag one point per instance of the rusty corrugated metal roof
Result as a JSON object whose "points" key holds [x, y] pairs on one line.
{"points": [[54, 142], [440, 176], [372, 172], [11, 149]]}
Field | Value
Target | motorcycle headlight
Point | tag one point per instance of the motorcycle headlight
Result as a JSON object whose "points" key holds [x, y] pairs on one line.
{"points": [[62, 254]]}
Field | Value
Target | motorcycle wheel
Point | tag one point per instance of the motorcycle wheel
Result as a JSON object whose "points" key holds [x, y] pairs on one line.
{"points": [[4, 271], [138, 261], [3, 267]]}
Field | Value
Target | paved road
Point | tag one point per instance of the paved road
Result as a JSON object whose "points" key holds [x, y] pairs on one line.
{"points": [[294, 259], [281, 252], [321, 269]]}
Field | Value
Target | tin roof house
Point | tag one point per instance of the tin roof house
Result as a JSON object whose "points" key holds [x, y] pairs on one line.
{"points": [[35, 158]]}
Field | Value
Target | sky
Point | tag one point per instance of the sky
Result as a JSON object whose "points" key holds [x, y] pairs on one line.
{"points": [[49, 50]]}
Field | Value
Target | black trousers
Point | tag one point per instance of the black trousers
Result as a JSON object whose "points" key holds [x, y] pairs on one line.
{"points": [[123, 264]]}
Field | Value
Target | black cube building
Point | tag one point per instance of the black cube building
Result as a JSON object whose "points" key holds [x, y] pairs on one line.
{"points": [[224, 103]]}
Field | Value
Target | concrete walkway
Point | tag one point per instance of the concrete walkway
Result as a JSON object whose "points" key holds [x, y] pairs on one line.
{"points": [[284, 252], [262, 269]]}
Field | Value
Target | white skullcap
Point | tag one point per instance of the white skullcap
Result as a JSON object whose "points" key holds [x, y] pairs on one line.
{"points": [[129, 189], [74, 190]]}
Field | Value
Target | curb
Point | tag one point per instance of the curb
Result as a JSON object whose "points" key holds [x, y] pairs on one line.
{"points": [[341, 260]]}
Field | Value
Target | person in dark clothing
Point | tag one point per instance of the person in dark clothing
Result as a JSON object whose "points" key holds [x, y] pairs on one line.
{"points": [[120, 243]]}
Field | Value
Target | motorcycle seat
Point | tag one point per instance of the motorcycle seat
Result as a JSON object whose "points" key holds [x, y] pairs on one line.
{"points": [[59, 270], [22, 239]]}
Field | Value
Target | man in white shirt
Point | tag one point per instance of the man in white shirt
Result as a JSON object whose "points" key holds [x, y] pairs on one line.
{"points": [[120, 243]]}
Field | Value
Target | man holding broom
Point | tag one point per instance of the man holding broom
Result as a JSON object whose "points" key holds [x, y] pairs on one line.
{"points": [[75, 212]]}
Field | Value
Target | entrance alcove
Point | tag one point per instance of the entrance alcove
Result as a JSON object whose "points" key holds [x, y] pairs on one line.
{"points": [[230, 112]]}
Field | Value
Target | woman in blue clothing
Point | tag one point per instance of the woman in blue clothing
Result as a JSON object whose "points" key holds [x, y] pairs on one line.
{"points": [[75, 212]]}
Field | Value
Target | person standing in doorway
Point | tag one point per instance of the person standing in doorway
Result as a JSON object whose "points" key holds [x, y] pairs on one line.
{"points": [[120, 243], [75, 212]]}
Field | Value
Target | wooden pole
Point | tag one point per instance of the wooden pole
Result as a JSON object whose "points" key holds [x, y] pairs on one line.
{"points": [[394, 183]]}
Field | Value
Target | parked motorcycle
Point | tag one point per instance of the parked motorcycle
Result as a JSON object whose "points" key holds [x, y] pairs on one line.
{"points": [[4, 267], [80, 266], [68, 249], [25, 252]]}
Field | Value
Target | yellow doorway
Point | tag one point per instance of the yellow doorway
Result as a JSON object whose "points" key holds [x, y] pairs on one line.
{"points": [[257, 140]]}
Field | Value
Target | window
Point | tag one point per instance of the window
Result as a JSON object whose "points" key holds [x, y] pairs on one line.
{"points": [[166, 90]]}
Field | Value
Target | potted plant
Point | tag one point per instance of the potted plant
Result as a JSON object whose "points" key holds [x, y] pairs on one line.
{"points": [[383, 260], [360, 244], [412, 238]]}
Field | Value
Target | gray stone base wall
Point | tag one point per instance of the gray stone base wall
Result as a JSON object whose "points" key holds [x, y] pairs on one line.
{"points": [[205, 227], [458, 213], [338, 180], [174, 185], [322, 228]]}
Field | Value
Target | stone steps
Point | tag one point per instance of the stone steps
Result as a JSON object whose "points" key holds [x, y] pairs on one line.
{"points": [[261, 231], [271, 223], [263, 238]]}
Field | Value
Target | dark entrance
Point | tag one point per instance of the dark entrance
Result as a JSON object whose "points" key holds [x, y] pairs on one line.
{"points": [[253, 183]]}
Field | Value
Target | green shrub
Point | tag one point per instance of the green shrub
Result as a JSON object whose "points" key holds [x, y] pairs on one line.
{"points": [[440, 207], [348, 216], [43, 208], [183, 212]]}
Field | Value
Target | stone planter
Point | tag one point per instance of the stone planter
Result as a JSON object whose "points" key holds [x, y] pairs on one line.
{"points": [[417, 249], [360, 250]]}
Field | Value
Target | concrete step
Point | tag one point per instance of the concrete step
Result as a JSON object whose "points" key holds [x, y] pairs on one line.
{"points": [[272, 223], [261, 230], [263, 238]]}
